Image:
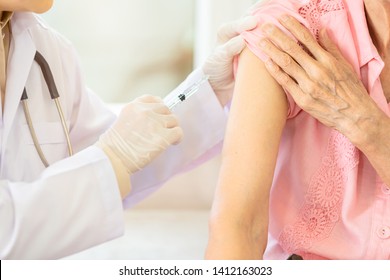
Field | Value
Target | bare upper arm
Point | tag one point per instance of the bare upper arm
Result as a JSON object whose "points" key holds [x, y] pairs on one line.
{"points": [[256, 120]]}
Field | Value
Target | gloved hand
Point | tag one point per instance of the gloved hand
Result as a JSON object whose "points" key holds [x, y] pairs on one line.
{"points": [[219, 65], [144, 129]]}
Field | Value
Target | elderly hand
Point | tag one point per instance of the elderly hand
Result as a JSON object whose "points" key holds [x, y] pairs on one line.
{"points": [[324, 84], [219, 65]]}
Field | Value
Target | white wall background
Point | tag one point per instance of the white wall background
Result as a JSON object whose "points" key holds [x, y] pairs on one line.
{"points": [[132, 47], [129, 47], [209, 16]]}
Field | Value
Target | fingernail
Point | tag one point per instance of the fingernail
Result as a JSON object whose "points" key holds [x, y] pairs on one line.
{"points": [[263, 43], [267, 28], [270, 64], [324, 33], [285, 18]]}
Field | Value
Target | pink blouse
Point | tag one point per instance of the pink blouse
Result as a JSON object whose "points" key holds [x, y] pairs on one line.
{"points": [[327, 201]]}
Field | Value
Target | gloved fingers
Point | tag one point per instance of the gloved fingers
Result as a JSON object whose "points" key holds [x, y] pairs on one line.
{"points": [[144, 129], [147, 98], [170, 121], [158, 108], [222, 60], [173, 135], [232, 29], [233, 48], [145, 105], [154, 103]]}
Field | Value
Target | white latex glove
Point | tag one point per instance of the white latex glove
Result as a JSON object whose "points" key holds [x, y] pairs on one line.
{"points": [[144, 129], [219, 65]]}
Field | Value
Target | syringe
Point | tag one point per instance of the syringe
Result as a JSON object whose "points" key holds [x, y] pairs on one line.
{"points": [[172, 102]]}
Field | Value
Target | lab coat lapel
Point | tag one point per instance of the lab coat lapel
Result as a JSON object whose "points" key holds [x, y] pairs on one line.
{"points": [[21, 57]]}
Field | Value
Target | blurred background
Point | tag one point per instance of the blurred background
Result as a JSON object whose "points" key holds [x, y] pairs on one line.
{"points": [[132, 47]]}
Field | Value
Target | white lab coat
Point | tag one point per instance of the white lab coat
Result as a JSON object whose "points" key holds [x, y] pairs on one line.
{"points": [[75, 204]]}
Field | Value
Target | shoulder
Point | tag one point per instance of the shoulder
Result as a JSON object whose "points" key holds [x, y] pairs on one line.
{"points": [[309, 12], [313, 14], [299, 6], [57, 50], [40, 32]]}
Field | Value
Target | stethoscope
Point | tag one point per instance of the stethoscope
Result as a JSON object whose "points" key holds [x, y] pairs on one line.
{"points": [[48, 76]]}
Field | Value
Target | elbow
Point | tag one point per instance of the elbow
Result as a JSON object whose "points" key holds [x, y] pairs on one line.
{"points": [[235, 237]]}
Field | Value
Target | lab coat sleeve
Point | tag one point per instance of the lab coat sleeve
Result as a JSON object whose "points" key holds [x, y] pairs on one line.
{"points": [[203, 120], [58, 215]]}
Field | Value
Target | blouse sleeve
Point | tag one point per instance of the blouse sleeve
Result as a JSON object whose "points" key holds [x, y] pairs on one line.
{"points": [[270, 12]]}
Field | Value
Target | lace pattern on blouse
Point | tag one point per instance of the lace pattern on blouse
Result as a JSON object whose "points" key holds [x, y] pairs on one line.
{"points": [[321, 209], [323, 199], [315, 9]]}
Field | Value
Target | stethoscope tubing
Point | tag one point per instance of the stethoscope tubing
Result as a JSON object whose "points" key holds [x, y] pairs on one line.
{"points": [[32, 133], [49, 79]]}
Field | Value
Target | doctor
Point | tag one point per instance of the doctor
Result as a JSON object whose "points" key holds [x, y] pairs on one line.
{"points": [[77, 201]]}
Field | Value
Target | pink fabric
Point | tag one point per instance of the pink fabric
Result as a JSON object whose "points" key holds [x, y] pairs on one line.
{"points": [[327, 202]]}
